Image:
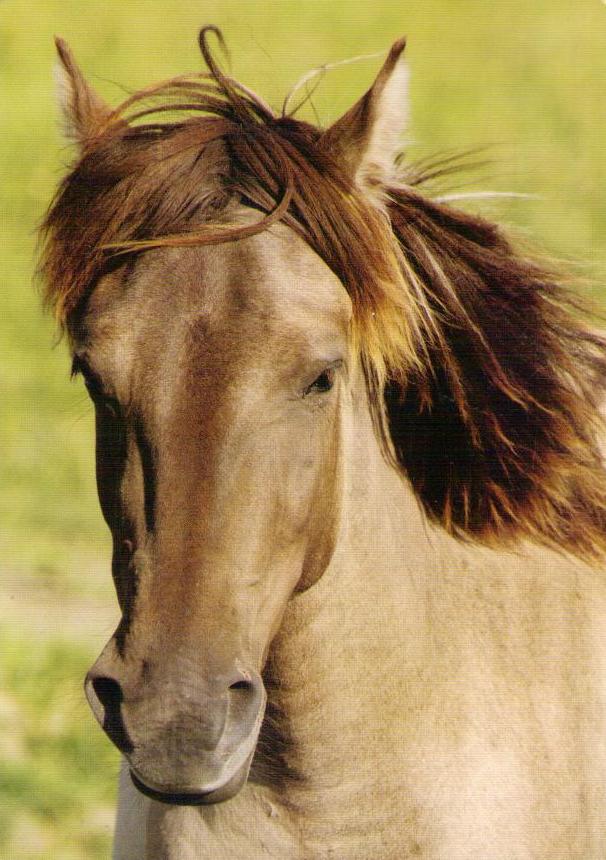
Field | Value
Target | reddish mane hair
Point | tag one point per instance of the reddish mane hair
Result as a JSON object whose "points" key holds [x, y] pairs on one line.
{"points": [[484, 384]]}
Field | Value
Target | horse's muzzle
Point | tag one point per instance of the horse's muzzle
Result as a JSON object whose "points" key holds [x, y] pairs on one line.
{"points": [[186, 744]]}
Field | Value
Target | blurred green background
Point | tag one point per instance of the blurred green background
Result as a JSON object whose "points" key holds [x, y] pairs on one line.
{"points": [[526, 76]]}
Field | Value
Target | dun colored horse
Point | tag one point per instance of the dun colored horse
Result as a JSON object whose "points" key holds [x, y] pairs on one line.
{"points": [[348, 450]]}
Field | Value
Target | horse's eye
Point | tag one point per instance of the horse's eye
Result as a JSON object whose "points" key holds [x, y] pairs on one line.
{"points": [[104, 403], [323, 383], [108, 406]]}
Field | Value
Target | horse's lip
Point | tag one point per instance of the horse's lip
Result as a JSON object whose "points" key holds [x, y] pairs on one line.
{"points": [[182, 798], [215, 793]]}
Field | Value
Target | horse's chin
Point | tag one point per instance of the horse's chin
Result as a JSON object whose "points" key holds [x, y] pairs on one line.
{"points": [[218, 792]]}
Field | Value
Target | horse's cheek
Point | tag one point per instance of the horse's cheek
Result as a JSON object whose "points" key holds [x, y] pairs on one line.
{"points": [[325, 512]]}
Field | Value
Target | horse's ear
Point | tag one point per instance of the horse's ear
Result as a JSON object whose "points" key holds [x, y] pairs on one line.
{"points": [[367, 138], [84, 113]]}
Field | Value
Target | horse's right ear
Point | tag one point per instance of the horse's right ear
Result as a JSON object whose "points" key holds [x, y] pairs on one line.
{"points": [[85, 114]]}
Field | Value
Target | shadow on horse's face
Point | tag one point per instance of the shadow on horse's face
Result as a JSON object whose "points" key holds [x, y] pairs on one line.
{"points": [[218, 376]]}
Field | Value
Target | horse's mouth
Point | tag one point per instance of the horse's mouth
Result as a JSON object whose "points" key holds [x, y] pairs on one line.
{"points": [[214, 794]]}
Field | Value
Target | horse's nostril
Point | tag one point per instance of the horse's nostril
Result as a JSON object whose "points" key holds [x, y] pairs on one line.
{"points": [[109, 692], [110, 696], [246, 702]]}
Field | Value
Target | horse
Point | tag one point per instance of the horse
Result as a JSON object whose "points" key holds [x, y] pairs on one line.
{"points": [[348, 448]]}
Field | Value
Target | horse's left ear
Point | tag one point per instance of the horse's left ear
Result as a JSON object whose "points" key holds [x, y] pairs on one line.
{"points": [[85, 114], [367, 138]]}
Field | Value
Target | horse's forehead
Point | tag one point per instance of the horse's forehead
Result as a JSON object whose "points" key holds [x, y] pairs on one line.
{"points": [[269, 286], [274, 275]]}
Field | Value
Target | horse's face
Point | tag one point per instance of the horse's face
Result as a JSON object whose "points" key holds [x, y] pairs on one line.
{"points": [[217, 375]]}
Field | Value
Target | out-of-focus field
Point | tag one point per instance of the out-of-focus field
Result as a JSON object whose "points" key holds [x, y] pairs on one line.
{"points": [[528, 78]]}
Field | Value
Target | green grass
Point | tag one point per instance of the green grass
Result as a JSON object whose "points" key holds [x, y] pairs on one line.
{"points": [[529, 78], [57, 771]]}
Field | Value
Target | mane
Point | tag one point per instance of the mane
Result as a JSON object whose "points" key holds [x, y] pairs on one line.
{"points": [[484, 385]]}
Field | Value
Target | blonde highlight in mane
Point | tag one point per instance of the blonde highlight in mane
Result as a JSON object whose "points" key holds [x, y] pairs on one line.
{"points": [[484, 386]]}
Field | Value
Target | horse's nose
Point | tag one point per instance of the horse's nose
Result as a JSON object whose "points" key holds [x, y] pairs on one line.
{"points": [[189, 735], [231, 709]]}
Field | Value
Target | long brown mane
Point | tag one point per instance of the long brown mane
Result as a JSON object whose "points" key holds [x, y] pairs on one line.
{"points": [[491, 384]]}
